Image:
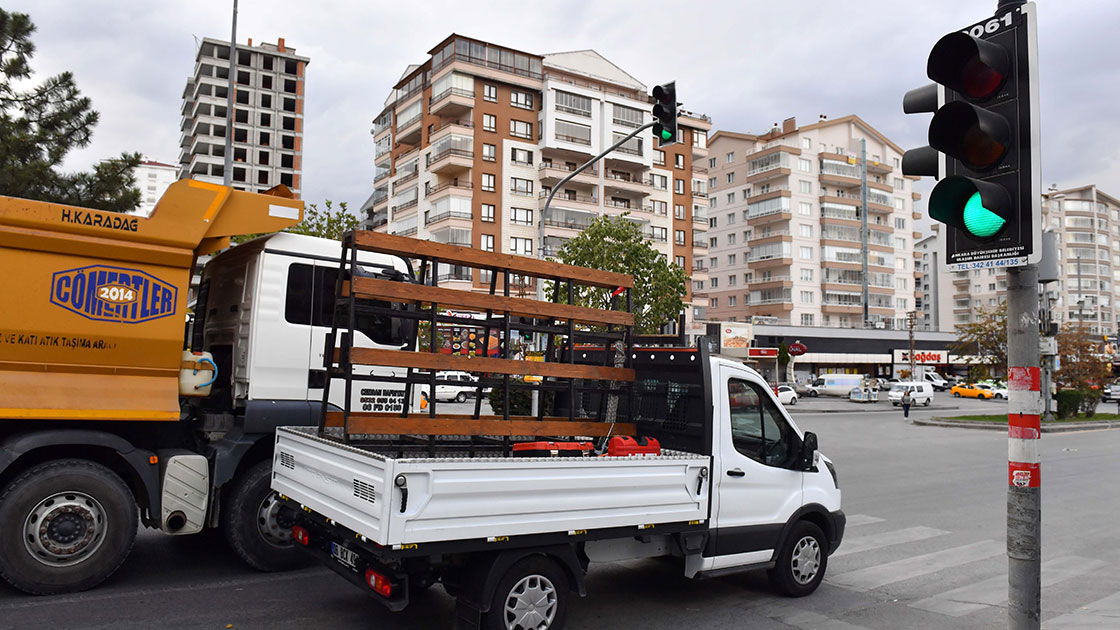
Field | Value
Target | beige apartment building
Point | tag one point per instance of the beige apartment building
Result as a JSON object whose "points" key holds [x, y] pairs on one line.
{"points": [[1087, 221], [785, 224], [267, 116], [471, 141]]}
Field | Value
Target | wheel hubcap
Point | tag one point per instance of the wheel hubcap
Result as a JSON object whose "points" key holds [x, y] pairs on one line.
{"points": [[64, 529], [531, 604], [274, 521], [806, 560]]}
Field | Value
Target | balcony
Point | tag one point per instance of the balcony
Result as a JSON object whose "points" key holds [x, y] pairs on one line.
{"points": [[450, 161], [405, 178], [700, 244], [655, 235], [459, 127], [768, 282], [627, 184], [576, 202], [459, 216], [402, 207], [761, 236], [408, 132], [377, 219], [451, 102], [552, 172], [447, 189]]}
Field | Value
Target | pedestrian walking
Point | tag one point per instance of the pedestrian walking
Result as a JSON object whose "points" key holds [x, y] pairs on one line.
{"points": [[906, 401]]}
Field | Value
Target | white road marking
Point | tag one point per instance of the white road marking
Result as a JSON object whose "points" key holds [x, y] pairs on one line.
{"points": [[804, 619], [896, 537], [856, 520], [1103, 614], [917, 566]]}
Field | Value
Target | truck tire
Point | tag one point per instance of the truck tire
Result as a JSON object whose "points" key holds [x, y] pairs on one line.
{"points": [[65, 526], [256, 526], [533, 595], [802, 561]]}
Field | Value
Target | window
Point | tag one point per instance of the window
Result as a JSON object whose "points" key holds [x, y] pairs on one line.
{"points": [[488, 212], [661, 208], [678, 211], [901, 283], [522, 246], [487, 182], [714, 282], [490, 93], [309, 300], [713, 222], [805, 230], [711, 162], [489, 122], [573, 104], [486, 242], [898, 183], [899, 223], [713, 242], [731, 218], [627, 116], [806, 253], [524, 100], [712, 183], [900, 243], [678, 237], [573, 132], [521, 129], [805, 166], [758, 429], [730, 197], [266, 120], [806, 297], [805, 187], [678, 160], [713, 262], [679, 261], [659, 157], [519, 186], [266, 100], [265, 139], [731, 261], [523, 157], [714, 302], [730, 157], [731, 178], [806, 319], [805, 209], [678, 186], [521, 216], [731, 300], [660, 182], [901, 303], [489, 152], [807, 274], [262, 158], [731, 241]]}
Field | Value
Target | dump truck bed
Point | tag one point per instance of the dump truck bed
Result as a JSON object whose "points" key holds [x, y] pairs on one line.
{"points": [[458, 498]]}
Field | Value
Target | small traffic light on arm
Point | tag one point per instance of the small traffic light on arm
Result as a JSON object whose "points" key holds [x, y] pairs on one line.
{"points": [[983, 141], [665, 113]]}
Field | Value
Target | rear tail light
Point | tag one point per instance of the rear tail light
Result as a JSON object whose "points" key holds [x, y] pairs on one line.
{"points": [[379, 583], [301, 535]]}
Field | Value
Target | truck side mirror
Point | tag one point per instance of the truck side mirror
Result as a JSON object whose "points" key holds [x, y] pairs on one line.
{"points": [[809, 451]]}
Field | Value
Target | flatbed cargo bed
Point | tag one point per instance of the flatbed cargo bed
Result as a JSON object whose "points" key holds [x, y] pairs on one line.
{"points": [[394, 501]]}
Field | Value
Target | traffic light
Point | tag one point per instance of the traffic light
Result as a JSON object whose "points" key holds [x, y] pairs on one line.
{"points": [[983, 141], [665, 113]]}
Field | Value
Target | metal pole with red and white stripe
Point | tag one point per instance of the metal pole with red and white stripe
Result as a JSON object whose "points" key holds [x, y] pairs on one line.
{"points": [[1024, 473]]}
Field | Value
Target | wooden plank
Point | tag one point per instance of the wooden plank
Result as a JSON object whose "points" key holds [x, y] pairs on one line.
{"points": [[442, 362], [445, 425], [334, 418], [409, 292], [457, 254]]}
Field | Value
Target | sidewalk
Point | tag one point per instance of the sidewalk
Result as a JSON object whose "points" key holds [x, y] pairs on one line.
{"points": [[1050, 427], [835, 404]]}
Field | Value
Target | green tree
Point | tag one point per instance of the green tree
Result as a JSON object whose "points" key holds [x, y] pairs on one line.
{"points": [[986, 339], [1084, 368], [615, 243], [38, 127]]}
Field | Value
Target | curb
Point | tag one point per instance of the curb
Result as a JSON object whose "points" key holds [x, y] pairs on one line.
{"points": [[897, 410], [1064, 427]]}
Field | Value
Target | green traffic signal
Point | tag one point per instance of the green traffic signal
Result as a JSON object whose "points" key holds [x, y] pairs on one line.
{"points": [[666, 134], [979, 220]]}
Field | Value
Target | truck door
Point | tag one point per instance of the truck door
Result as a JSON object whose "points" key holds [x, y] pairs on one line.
{"points": [[282, 331], [757, 488]]}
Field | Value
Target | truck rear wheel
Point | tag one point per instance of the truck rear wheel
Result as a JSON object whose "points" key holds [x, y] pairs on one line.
{"points": [[533, 595], [65, 526], [802, 561], [257, 526]]}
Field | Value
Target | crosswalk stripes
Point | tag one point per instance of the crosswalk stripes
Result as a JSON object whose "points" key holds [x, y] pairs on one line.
{"points": [[917, 566], [1103, 614], [804, 619], [878, 541], [856, 520], [993, 591]]}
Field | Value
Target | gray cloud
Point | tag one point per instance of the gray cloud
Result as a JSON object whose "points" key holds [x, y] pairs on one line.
{"points": [[748, 64]]}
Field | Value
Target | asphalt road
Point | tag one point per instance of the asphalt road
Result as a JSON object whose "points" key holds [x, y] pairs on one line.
{"points": [[924, 549]]}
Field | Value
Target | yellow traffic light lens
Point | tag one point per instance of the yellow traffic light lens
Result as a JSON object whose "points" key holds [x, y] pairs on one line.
{"points": [[980, 221]]}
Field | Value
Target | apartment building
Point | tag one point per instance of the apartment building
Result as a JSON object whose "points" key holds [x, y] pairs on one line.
{"points": [[471, 141], [152, 179], [267, 116], [1087, 221], [785, 227]]}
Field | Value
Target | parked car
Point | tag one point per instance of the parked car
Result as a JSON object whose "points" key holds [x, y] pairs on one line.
{"points": [[1110, 392], [838, 384], [921, 393], [969, 390], [463, 385], [939, 383], [886, 384], [999, 392], [787, 395], [811, 388]]}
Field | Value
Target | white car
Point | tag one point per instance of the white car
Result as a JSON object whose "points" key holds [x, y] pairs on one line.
{"points": [[999, 391], [463, 385], [787, 395]]}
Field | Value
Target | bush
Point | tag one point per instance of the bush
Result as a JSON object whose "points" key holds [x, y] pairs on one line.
{"points": [[1090, 398], [520, 400], [1069, 402]]}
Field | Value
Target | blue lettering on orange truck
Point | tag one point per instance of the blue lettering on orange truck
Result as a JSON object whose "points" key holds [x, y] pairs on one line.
{"points": [[113, 294]]}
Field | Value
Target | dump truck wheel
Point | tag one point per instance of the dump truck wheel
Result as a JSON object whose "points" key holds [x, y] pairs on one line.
{"points": [[257, 526], [65, 526]]}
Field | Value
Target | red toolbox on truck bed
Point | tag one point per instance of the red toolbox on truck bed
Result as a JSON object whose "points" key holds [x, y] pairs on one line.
{"points": [[623, 445], [553, 449]]}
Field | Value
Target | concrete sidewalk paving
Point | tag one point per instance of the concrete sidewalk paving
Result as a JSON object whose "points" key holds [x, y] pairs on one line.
{"points": [[1050, 427]]}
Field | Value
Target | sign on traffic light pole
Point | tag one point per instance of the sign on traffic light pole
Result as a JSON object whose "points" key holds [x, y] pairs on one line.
{"points": [[983, 141], [665, 113]]}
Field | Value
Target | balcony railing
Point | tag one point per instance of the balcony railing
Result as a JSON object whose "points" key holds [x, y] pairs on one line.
{"points": [[576, 198], [485, 64], [407, 178], [449, 92], [628, 151], [755, 192], [442, 187], [573, 139], [446, 153], [410, 122], [448, 214], [405, 206], [453, 123], [657, 237], [701, 219], [621, 204], [568, 169], [762, 235], [763, 279], [455, 275], [570, 224]]}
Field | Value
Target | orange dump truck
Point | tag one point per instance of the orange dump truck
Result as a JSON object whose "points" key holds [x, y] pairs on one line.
{"points": [[98, 430]]}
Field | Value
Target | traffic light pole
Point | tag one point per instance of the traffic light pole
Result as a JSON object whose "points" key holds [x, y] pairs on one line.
{"points": [[1024, 498]]}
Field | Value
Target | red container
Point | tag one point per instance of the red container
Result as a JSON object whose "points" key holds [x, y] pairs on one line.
{"points": [[623, 445], [553, 449]]}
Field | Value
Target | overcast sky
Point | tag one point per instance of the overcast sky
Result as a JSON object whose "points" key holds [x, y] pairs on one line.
{"points": [[748, 64]]}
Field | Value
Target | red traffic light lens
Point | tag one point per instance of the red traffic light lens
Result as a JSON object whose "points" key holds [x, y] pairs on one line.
{"points": [[978, 80], [973, 67]]}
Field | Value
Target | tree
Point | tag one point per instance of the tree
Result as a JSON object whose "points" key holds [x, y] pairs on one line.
{"points": [[615, 243], [1083, 368], [328, 223], [986, 339], [40, 126]]}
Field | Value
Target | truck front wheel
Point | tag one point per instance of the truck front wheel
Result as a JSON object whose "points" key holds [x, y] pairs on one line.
{"points": [[533, 595], [257, 526], [65, 526], [802, 561]]}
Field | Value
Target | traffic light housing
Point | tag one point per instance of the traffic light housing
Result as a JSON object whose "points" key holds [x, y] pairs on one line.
{"points": [[983, 141], [665, 113]]}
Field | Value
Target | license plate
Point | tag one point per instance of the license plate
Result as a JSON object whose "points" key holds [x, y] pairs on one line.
{"points": [[344, 556]]}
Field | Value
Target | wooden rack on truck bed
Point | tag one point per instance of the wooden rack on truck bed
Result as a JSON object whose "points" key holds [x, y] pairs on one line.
{"points": [[567, 379]]}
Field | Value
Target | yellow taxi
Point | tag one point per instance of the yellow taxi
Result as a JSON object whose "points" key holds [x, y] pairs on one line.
{"points": [[971, 390]]}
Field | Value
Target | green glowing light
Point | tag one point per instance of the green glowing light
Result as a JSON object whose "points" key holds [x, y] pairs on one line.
{"points": [[666, 134], [980, 221]]}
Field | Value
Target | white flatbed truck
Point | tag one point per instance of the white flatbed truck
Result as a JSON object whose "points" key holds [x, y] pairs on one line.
{"points": [[737, 486]]}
